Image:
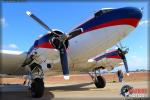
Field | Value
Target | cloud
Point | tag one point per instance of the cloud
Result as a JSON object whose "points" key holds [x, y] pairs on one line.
{"points": [[3, 22], [10, 47], [13, 46], [144, 22]]}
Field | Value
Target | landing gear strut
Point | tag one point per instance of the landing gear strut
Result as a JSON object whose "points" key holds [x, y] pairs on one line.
{"points": [[36, 85], [35, 76], [98, 80]]}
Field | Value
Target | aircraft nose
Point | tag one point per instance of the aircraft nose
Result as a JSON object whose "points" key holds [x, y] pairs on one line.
{"points": [[135, 14], [138, 14]]}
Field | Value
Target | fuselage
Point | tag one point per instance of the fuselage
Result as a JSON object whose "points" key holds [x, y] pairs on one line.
{"points": [[101, 32]]}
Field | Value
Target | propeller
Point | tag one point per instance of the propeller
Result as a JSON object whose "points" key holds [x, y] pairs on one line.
{"points": [[74, 33], [39, 21], [122, 53], [63, 37], [61, 40], [123, 57]]}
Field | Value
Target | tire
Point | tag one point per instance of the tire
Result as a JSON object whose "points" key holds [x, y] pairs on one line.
{"points": [[37, 88], [100, 82]]}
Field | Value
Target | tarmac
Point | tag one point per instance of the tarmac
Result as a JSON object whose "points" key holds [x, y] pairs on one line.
{"points": [[69, 91], [79, 87]]}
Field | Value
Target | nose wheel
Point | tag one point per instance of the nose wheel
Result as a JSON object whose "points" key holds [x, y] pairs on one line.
{"points": [[97, 78], [36, 84], [37, 88]]}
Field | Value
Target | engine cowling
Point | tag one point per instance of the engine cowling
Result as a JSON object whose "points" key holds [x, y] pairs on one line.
{"points": [[56, 40]]}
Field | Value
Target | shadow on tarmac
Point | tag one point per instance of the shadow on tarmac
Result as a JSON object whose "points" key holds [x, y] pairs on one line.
{"points": [[74, 87], [25, 95]]}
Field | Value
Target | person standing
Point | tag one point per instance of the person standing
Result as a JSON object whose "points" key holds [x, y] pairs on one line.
{"points": [[120, 75]]}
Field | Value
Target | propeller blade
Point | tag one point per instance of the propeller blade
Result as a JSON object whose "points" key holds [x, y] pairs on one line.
{"points": [[38, 20], [122, 55], [126, 65], [117, 46], [64, 62], [75, 33], [121, 45]]}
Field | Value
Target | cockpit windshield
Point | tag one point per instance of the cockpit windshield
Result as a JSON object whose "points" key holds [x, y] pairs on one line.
{"points": [[103, 11]]}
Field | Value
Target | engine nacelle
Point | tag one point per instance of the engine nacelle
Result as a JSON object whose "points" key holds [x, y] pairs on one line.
{"points": [[55, 39]]}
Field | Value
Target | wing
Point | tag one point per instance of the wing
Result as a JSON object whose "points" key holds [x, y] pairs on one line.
{"points": [[11, 62], [107, 60]]}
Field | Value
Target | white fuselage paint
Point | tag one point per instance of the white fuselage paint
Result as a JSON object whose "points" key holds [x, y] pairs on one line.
{"points": [[81, 48], [90, 44]]}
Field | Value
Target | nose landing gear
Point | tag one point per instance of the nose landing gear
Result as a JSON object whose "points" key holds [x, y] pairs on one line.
{"points": [[97, 78], [37, 88], [36, 83]]}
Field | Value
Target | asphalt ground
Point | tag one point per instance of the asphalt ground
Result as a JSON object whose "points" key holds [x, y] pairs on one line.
{"points": [[78, 87], [68, 91]]}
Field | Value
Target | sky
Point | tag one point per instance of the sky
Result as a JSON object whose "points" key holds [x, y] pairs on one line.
{"points": [[19, 31]]}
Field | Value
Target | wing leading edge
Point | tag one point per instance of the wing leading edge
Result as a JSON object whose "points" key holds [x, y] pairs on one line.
{"points": [[11, 62]]}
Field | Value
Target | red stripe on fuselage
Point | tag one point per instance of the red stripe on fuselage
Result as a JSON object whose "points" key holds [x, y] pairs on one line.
{"points": [[44, 45], [117, 57], [124, 21]]}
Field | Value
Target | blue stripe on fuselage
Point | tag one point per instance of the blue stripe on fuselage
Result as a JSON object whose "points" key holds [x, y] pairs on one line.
{"points": [[42, 40], [127, 12], [39, 41]]}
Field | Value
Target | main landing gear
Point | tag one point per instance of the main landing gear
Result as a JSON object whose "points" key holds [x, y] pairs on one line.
{"points": [[36, 84], [98, 80]]}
